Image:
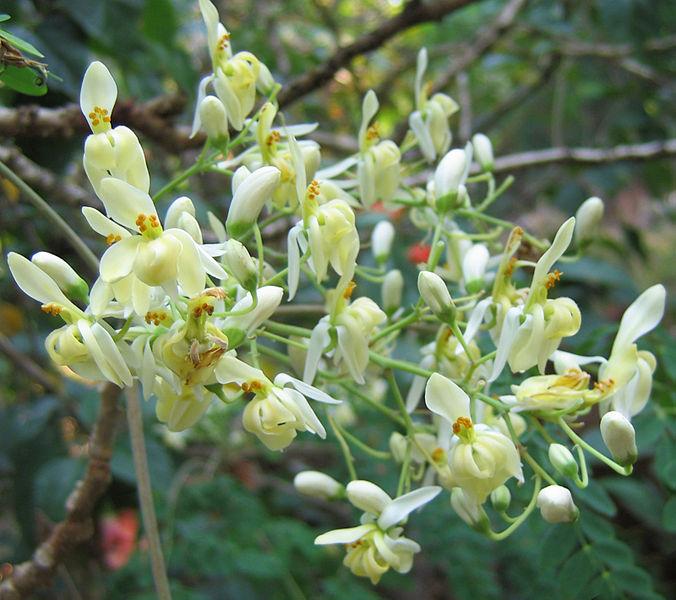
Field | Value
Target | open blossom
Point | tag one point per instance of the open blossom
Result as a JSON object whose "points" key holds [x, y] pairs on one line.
{"points": [[479, 458], [353, 324], [378, 544], [109, 151]]}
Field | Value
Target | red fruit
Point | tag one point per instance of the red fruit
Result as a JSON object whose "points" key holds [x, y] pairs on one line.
{"points": [[419, 253], [118, 537]]}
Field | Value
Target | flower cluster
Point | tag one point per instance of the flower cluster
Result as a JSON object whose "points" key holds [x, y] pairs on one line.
{"points": [[188, 313]]}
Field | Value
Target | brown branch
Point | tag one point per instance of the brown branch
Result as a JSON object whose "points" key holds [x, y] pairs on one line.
{"points": [[414, 13], [153, 119], [78, 525], [39, 178], [584, 156], [484, 41]]}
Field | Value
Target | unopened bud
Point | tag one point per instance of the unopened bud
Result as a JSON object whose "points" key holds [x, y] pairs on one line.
{"points": [[469, 510], [619, 437], [367, 496], [214, 118], [239, 262], [474, 267], [63, 274], [381, 241], [318, 485], [563, 460], [392, 290], [434, 292], [450, 173], [501, 498], [265, 82], [251, 192], [556, 505], [398, 446], [587, 219], [179, 206], [483, 150]]}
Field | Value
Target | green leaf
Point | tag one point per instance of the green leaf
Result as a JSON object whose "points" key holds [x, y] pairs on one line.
{"points": [[596, 527], [20, 44], [24, 80], [159, 21], [669, 515], [574, 575], [556, 547], [54, 482], [632, 580], [4, 17], [613, 552], [597, 498]]}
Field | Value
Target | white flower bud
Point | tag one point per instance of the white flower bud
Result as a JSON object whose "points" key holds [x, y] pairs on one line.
{"points": [[563, 460], [469, 510], [239, 262], [393, 286], [381, 240], [500, 498], [181, 205], [483, 150], [474, 266], [214, 118], [265, 82], [556, 505], [450, 173], [318, 485], [367, 496], [434, 292], [619, 437], [62, 273], [587, 219], [249, 197]]}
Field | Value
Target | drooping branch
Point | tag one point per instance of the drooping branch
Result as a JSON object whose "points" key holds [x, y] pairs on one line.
{"points": [[78, 525], [585, 156], [414, 13]]}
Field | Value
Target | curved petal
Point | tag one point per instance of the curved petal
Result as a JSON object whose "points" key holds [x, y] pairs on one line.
{"points": [[560, 244], [124, 203], [102, 224], [307, 390], [95, 351], [369, 108], [112, 354], [510, 329], [445, 398], [476, 317], [401, 507], [642, 316], [422, 134], [367, 496], [310, 419], [201, 95], [293, 251], [118, 261], [98, 91], [191, 272], [344, 536], [319, 340]]}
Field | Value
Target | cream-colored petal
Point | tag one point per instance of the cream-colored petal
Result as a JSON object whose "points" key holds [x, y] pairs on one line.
{"points": [[118, 261], [124, 203]]}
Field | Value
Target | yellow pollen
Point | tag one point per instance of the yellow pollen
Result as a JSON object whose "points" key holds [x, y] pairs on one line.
{"points": [[99, 115], [437, 454], [111, 238], [553, 278], [509, 271], [372, 132], [462, 424], [223, 41], [347, 294], [273, 138], [51, 309], [155, 317], [252, 386]]}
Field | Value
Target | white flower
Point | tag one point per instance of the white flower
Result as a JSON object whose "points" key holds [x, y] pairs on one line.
{"points": [[239, 262], [392, 291], [552, 392], [469, 510], [479, 458], [556, 505], [452, 172], [213, 117], [318, 485], [238, 326], [62, 273], [378, 545], [474, 265], [250, 193], [182, 410], [619, 437], [629, 370], [155, 256]]}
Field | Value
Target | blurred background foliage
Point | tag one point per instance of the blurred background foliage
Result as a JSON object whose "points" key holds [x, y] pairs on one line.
{"points": [[593, 73]]}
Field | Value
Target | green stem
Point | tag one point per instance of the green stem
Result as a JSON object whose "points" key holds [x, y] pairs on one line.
{"points": [[51, 215], [404, 474], [379, 454], [199, 166], [537, 468], [402, 365], [593, 451], [347, 455], [493, 195], [138, 446], [583, 481], [521, 518], [127, 324], [260, 250], [283, 328], [281, 339], [473, 214], [412, 318], [388, 412]]}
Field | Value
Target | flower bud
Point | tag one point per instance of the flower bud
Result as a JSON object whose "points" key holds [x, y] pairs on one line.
{"points": [[474, 266], [239, 262], [181, 205], [500, 498], [587, 219], [556, 505], [449, 174], [63, 274], [469, 510], [381, 240], [563, 460], [250, 195], [367, 496], [619, 437], [265, 82], [483, 150], [318, 485], [214, 118], [237, 327], [434, 292], [393, 286]]}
